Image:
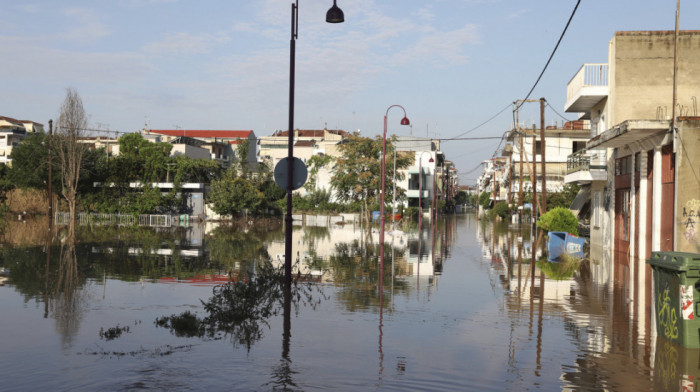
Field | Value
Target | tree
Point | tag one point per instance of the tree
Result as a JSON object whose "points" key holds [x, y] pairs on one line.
{"points": [[232, 194], [72, 124], [242, 150], [30, 167], [357, 178]]}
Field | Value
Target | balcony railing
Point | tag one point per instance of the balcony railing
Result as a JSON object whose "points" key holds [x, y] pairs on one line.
{"points": [[585, 160], [590, 75]]}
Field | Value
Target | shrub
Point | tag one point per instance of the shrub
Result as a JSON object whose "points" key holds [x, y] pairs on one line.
{"points": [[500, 209], [559, 219], [484, 200]]}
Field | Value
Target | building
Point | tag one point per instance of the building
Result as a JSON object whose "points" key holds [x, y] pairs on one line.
{"points": [[559, 144], [643, 145], [307, 143], [11, 134], [219, 145]]}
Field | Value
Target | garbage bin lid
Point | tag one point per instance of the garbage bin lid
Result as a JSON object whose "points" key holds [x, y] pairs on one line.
{"points": [[677, 261]]}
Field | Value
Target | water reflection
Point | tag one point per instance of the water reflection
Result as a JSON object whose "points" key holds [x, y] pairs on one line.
{"points": [[612, 330], [557, 326]]}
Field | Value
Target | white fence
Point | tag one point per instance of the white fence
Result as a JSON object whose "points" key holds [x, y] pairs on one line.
{"points": [[62, 218]]}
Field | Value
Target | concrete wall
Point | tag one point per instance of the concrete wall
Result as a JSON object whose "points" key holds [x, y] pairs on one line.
{"points": [[641, 65], [687, 224]]}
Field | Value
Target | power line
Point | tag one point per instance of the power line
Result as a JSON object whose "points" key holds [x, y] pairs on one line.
{"points": [[552, 55], [551, 107], [482, 124]]}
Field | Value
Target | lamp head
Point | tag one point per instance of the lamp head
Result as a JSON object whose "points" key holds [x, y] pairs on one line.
{"points": [[404, 121], [431, 160], [335, 14]]}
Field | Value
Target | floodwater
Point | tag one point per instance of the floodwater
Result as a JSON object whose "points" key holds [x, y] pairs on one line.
{"points": [[460, 310]]}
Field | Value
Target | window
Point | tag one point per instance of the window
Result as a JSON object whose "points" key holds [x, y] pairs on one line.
{"points": [[578, 146], [623, 166], [538, 147], [596, 208]]}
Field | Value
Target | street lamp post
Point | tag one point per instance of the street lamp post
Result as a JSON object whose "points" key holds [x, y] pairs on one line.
{"points": [[404, 121], [334, 15]]}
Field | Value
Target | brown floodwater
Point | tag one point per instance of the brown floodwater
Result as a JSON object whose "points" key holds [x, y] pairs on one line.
{"points": [[456, 307]]}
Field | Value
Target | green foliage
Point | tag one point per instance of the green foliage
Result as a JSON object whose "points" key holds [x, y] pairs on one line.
{"points": [[559, 219], [314, 164], [499, 209], [560, 271], [564, 198], [232, 195], [484, 200], [30, 167], [461, 197], [357, 178]]}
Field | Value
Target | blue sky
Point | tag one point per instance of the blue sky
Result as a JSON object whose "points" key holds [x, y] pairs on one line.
{"points": [[452, 64]]}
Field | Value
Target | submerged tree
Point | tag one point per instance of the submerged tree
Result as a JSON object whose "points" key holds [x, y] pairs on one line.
{"points": [[72, 125], [357, 178]]}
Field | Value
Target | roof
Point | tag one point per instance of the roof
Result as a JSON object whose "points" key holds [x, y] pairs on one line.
{"points": [[313, 132], [223, 134], [305, 143]]}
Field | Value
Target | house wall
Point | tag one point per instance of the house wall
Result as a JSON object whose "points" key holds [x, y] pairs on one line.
{"points": [[687, 222], [641, 66], [190, 151]]}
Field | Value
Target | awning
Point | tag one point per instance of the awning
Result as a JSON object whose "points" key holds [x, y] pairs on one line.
{"points": [[639, 134], [584, 194]]}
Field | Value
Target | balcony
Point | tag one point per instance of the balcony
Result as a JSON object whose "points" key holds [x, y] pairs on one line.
{"points": [[586, 166], [586, 89]]}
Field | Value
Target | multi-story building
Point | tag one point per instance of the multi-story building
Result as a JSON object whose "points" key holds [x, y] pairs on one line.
{"points": [[12, 132], [307, 143], [219, 145], [642, 162], [559, 144]]}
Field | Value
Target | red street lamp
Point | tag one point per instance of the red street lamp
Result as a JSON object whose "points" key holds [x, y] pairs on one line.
{"points": [[334, 15], [404, 121]]}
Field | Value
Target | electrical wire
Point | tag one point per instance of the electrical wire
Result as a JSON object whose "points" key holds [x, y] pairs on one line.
{"points": [[551, 107], [482, 124], [552, 55]]}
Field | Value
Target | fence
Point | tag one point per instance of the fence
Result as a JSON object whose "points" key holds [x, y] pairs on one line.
{"points": [[97, 219]]}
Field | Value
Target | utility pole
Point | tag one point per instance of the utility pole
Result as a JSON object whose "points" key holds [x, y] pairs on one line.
{"points": [[533, 180], [544, 161], [520, 186], [50, 190]]}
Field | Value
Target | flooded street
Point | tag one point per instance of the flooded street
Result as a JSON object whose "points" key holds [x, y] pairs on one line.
{"points": [[460, 314]]}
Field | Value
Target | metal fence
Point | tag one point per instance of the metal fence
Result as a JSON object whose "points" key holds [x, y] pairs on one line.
{"points": [[97, 219]]}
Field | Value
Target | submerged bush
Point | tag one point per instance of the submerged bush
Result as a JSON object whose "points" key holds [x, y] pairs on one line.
{"points": [[559, 219]]}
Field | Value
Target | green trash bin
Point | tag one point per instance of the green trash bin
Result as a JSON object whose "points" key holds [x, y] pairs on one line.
{"points": [[676, 290]]}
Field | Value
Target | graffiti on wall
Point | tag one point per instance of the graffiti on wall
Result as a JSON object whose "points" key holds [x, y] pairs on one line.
{"points": [[691, 214]]}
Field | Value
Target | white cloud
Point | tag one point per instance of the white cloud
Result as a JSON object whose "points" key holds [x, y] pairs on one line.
{"points": [[183, 43]]}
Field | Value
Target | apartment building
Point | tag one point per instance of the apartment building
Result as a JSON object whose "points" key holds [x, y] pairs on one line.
{"points": [[642, 161]]}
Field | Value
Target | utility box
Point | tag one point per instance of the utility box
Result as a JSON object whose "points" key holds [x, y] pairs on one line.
{"points": [[677, 296]]}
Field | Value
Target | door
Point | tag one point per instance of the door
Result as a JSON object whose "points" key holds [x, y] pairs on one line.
{"points": [[622, 233]]}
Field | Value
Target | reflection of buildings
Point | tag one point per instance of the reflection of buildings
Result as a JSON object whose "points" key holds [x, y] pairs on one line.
{"points": [[611, 324], [313, 246]]}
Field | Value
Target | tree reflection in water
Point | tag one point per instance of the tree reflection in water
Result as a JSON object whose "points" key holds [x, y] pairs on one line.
{"points": [[241, 310]]}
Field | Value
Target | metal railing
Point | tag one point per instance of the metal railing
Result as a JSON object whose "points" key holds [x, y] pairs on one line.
{"points": [[98, 219], [585, 160], [589, 75]]}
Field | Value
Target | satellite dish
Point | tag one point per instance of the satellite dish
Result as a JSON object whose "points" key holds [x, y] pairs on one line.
{"points": [[300, 173]]}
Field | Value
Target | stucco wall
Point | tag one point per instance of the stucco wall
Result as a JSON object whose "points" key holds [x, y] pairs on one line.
{"points": [[642, 65], [688, 189]]}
